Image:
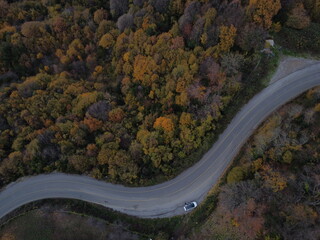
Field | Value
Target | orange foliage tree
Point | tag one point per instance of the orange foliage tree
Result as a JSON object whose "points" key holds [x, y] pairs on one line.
{"points": [[165, 123], [93, 123]]}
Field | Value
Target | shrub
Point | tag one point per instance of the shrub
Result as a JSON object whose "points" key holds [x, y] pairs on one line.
{"points": [[236, 175], [307, 39]]}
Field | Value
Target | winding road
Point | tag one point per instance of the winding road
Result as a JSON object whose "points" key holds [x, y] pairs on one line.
{"points": [[166, 199]]}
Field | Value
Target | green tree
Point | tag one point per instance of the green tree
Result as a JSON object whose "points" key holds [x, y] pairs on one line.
{"points": [[81, 163], [84, 100], [287, 157]]}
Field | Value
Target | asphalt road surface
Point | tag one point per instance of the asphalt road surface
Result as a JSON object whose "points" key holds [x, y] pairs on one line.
{"points": [[166, 199]]}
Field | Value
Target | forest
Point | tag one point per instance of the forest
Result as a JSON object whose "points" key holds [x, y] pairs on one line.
{"points": [[272, 191], [125, 90]]}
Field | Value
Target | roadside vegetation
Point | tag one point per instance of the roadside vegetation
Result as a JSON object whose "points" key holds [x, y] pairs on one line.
{"points": [[272, 190], [48, 223]]}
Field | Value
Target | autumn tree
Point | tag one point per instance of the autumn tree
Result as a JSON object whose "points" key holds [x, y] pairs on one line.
{"points": [[161, 156], [78, 134], [287, 157], [144, 69], [226, 38], [107, 41], [116, 115], [93, 124], [84, 100], [59, 24], [235, 175], [122, 167], [32, 29], [273, 179], [33, 150], [80, 163], [264, 11], [76, 49], [165, 123], [298, 18], [100, 15], [9, 166]]}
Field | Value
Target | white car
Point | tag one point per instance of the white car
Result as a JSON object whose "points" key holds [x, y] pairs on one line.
{"points": [[189, 206]]}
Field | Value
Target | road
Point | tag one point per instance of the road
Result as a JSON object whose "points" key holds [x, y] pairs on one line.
{"points": [[166, 199]]}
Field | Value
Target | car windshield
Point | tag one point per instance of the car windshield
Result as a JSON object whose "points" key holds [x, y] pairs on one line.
{"points": [[189, 205]]}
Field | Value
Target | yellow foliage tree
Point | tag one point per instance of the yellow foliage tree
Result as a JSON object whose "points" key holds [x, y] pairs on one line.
{"points": [[84, 100], [186, 119], [227, 37], [107, 41], [143, 69], [75, 49], [209, 17], [264, 11]]}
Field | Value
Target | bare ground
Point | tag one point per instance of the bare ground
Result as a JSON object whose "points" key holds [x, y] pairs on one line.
{"points": [[290, 65]]}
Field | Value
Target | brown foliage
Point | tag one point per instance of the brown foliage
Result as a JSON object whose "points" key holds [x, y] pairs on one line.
{"points": [[7, 236], [59, 24], [93, 124], [32, 29], [298, 18], [80, 163], [100, 15], [273, 179], [116, 115]]}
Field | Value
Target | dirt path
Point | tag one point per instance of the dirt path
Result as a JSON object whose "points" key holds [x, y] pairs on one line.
{"points": [[290, 65]]}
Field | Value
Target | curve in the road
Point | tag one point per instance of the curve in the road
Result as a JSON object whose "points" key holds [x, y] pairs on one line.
{"points": [[166, 199]]}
